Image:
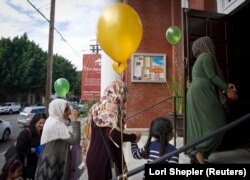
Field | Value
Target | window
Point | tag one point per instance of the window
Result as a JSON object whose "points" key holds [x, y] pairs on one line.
{"points": [[42, 110]]}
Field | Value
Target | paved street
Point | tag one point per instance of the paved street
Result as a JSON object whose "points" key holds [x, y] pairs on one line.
{"points": [[15, 131]]}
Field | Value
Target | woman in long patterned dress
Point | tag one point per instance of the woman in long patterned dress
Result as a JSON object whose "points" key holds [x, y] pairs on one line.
{"points": [[105, 124]]}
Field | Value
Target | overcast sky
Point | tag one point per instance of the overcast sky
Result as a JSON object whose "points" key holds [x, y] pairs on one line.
{"points": [[74, 19]]}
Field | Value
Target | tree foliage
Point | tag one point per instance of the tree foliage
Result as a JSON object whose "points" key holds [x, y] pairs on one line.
{"points": [[23, 66]]}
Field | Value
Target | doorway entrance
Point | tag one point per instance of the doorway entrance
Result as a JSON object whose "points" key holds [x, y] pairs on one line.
{"points": [[231, 38], [240, 74]]}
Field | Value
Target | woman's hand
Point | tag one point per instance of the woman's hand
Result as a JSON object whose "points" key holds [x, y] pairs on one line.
{"points": [[188, 83], [138, 136], [74, 115]]}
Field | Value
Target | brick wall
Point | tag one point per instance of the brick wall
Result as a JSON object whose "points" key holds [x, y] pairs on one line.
{"points": [[205, 5], [156, 17], [211, 5]]}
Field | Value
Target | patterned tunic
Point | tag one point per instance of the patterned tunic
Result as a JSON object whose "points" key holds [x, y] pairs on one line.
{"points": [[54, 160]]}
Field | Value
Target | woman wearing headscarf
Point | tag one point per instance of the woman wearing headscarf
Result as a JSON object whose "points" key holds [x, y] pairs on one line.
{"points": [[54, 160], [105, 125], [205, 111]]}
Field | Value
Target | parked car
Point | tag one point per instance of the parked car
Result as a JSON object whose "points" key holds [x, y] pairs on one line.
{"points": [[5, 130], [10, 107], [79, 107], [27, 114]]}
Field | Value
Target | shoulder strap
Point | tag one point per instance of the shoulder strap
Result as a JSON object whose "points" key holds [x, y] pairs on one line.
{"points": [[28, 129], [106, 145], [114, 168]]}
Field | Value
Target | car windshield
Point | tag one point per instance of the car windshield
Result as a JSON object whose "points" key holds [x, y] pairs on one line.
{"points": [[33, 109], [27, 109]]}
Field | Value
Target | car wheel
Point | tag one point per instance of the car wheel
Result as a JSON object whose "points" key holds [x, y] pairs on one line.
{"points": [[10, 111], [6, 135]]}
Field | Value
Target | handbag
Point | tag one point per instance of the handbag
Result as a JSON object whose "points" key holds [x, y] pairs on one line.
{"points": [[232, 95], [75, 162], [11, 153]]}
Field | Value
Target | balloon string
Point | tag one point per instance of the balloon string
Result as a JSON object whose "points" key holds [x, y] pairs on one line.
{"points": [[121, 125]]}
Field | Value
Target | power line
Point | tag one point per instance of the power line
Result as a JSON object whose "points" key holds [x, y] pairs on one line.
{"points": [[62, 38]]}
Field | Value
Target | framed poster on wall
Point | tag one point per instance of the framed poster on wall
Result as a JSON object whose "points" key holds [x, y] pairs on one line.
{"points": [[148, 67]]}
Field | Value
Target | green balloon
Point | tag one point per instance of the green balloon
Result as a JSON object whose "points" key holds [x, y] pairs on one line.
{"points": [[61, 87], [173, 35]]}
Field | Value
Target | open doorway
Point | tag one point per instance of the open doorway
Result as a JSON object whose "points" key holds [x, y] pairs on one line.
{"points": [[231, 38], [239, 74], [240, 56]]}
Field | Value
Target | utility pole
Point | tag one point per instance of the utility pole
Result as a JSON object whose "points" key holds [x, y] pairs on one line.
{"points": [[95, 48], [50, 55]]}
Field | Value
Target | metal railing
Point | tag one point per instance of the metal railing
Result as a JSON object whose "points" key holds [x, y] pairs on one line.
{"points": [[188, 146], [156, 104]]}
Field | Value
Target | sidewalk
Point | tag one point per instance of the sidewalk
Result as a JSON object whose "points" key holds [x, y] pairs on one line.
{"points": [[134, 163], [131, 162]]}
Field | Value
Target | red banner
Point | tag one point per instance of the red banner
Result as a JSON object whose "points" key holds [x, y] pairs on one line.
{"points": [[91, 77]]}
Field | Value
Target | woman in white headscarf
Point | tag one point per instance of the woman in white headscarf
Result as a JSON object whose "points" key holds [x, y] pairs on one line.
{"points": [[54, 160]]}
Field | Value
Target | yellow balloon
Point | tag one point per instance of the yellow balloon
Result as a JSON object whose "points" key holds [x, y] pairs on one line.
{"points": [[119, 31], [119, 67]]}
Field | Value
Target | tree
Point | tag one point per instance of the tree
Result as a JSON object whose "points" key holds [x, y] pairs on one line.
{"points": [[23, 68], [62, 68]]}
